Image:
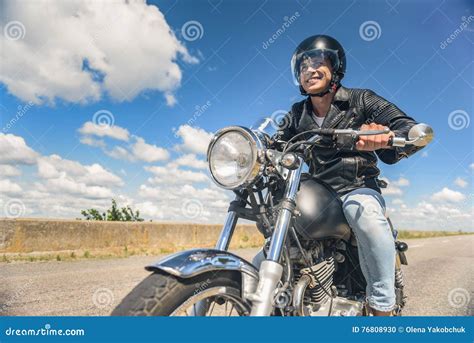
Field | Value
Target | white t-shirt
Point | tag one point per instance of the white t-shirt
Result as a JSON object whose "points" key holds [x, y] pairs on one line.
{"points": [[319, 120]]}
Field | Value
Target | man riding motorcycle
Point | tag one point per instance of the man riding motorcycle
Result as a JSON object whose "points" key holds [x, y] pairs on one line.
{"points": [[308, 265], [318, 66]]}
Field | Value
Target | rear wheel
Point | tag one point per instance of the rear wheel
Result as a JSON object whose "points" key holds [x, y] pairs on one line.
{"points": [[209, 294]]}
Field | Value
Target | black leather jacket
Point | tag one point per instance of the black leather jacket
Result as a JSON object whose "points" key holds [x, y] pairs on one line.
{"points": [[346, 170]]}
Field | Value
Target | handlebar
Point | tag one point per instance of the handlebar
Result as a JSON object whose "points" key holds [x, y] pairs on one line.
{"points": [[393, 141], [355, 134], [345, 137]]}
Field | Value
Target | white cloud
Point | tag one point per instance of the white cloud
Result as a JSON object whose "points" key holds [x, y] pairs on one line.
{"points": [[7, 186], [7, 170], [392, 190], [402, 182], [185, 195], [139, 151], [73, 187], [13, 150], [87, 140], [63, 201], [173, 175], [471, 166], [461, 182], [447, 194], [54, 166], [97, 175], [112, 131], [170, 99], [148, 152], [393, 187], [149, 209], [184, 202], [120, 153], [397, 201], [74, 51], [428, 216], [195, 140], [189, 160]]}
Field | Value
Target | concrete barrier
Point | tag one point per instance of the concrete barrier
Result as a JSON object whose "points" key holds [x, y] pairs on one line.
{"points": [[50, 235]]}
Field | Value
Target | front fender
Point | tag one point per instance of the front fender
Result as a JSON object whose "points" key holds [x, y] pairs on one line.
{"points": [[187, 264]]}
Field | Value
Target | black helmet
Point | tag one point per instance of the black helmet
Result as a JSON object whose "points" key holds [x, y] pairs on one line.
{"points": [[326, 47]]}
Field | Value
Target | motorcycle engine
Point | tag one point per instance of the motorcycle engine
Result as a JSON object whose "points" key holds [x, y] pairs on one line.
{"points": [[321, 281], [315, 294]]}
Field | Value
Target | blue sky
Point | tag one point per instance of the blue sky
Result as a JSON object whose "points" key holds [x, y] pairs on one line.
{"points": [[150, 76]]}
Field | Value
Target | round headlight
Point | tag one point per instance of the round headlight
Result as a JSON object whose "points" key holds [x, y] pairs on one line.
{"points": [[233, 157]]}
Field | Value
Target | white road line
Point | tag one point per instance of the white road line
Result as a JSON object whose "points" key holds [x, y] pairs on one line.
{"points": [[445, 241], [415, 246]]}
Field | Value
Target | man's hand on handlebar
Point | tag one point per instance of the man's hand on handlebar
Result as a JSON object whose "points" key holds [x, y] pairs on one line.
{"points": [[372, 143]]}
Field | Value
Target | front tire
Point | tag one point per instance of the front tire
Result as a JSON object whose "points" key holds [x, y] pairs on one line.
{"points": [[162, 294]]}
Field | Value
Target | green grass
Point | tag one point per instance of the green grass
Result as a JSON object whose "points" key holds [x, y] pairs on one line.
{"points": [[403, 234]]}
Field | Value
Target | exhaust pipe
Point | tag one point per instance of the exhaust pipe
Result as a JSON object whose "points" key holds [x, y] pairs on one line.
{"points": [[298, 294]]}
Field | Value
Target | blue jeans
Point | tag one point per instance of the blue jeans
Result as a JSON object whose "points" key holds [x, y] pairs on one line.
{"points": [[364, 209]]}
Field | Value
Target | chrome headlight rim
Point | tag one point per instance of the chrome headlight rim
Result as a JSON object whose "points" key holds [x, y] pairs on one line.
{"points": [[258, 153]]}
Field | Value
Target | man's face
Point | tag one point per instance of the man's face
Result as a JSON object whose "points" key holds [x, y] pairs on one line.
{"points": [[315, 74]]}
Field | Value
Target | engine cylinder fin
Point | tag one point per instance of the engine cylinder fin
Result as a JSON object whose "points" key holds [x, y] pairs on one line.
{"points": [[323, 271]]}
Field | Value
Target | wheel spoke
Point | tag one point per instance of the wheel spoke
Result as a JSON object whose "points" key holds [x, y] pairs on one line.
{"points": [[212, 307], [227, 304]]}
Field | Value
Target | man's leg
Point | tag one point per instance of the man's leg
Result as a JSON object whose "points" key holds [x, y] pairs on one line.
{"points": [[364, 209]]}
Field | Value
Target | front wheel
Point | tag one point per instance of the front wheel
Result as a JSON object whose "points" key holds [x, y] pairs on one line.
{"points": [[208, 294]]}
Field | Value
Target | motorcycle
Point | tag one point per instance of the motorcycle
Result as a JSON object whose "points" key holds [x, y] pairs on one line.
{"points": [[309, 263]]}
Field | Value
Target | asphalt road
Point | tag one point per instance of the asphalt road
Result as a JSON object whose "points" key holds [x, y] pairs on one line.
{"points": [[439, 281]]}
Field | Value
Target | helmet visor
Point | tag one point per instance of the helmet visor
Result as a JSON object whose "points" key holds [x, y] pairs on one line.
{"points": [[311, 60]]}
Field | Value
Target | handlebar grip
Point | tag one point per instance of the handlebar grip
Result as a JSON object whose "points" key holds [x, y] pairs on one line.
{"points": [[328, 132], [397, 142]]}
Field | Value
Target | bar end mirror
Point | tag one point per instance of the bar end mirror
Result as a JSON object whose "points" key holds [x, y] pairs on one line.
{"points": [[420, 135]]}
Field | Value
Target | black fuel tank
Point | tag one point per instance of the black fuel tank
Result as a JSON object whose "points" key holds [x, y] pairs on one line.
{"points": [[321, 211]]}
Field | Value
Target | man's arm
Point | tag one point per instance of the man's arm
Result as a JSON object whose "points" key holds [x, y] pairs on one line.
{"points": [[380, 111]]}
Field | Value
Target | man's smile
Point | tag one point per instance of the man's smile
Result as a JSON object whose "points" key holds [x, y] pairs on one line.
{"points": [[315, 78]]}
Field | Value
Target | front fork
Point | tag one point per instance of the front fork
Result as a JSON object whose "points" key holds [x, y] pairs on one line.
{"points": [[271, 270]]}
